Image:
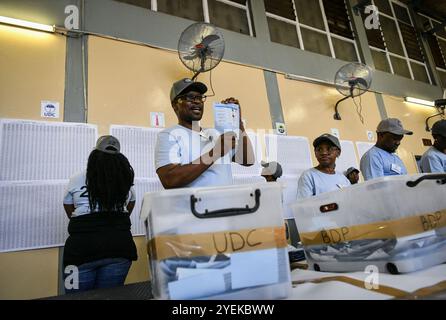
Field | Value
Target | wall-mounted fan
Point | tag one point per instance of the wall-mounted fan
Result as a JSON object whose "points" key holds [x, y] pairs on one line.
{"points": [[201, 47], [352, 80]]}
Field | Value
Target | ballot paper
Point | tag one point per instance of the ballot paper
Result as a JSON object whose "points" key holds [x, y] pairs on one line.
{"points": [[183, 273], [237, 273], [203, 284], [254, 268], [226, 117]]}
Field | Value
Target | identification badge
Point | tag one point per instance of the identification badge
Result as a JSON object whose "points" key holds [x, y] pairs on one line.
{"points": [[395, 168]]}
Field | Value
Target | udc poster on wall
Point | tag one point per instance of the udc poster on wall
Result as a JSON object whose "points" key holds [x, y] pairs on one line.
{"points": [[49, 109]]}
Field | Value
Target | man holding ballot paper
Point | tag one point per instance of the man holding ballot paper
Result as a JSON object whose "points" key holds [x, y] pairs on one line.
{"points": [[187, 155]]}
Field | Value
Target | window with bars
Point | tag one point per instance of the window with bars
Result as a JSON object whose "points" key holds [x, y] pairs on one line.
{"points": [[320, 26], [437, 44], [395, 45], [232, 15]]}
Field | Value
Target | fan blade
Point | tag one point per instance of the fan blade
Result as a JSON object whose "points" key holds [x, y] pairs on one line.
{"points": [[208, 39], [201, 47], [190, 57], [353, 79], [362, 82]]}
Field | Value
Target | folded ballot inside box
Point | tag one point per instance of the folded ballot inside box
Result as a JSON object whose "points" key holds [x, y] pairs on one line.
{"points": [[397, 224], [217, 243]]}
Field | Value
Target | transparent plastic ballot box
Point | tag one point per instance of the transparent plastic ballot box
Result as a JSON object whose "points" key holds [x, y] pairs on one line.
{"points": [[397, 224], [217, 242]]}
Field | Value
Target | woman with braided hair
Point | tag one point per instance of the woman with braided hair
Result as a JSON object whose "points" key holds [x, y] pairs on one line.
{"points": [[98, 202]]}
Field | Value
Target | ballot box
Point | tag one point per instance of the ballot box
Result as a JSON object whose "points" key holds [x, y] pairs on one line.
{"points": [[217, 243], [397, 224]]}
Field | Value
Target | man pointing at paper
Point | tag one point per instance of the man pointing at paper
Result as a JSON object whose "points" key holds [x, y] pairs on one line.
{"points": [[187, 155]]}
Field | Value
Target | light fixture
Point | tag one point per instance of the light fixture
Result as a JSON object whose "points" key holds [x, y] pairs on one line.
{"points": [[27, 24], [420, 101]]}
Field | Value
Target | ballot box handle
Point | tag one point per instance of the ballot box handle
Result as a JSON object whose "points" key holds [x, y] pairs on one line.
{"points": [[441, 179], [225, 212]]}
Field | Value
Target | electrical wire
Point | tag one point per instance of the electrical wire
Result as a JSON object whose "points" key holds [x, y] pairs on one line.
{"points": [[359, 108], [210, 83]]}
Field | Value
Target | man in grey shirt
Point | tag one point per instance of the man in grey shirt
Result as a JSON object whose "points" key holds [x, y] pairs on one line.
{"points": [[434, 159]]}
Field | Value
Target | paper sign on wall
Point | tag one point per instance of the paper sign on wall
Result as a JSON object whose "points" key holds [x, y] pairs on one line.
{"points": [[335, 132], [49, 109], [280, 128], [370, 136], [157, 119]]}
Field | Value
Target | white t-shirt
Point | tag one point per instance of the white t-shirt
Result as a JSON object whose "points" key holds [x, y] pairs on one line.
{"points": [[76, 193], [313, 182], [180, 145]]}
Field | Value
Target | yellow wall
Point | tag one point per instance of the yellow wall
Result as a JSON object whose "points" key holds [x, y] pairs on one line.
{"points": [[29, 274], [413, 117], [126, 82], [32, 68], [34, 274], [139, 271], [308, 111], [32, 65], [247, 85]]}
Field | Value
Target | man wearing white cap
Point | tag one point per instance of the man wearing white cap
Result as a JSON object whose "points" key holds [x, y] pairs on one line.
{"points": [[381, 159], [434, 159]]}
